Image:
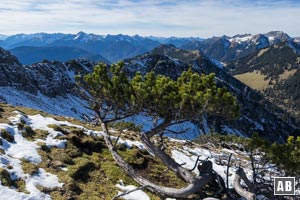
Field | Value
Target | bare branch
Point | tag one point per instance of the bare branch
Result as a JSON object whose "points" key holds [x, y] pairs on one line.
{"points": [[177, 132], [128, 192], [170, 163], [117, 140], [227, 172], [116, 118], [238, 188], [195, 164], [195, 183], [160, 128]]}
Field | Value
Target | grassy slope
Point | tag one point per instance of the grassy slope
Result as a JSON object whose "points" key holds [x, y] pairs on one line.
{"points": [[88, 170], [91, 171], [254, 79]]}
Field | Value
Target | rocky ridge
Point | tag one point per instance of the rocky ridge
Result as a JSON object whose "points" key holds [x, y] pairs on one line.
{"points": [[257, 113], [227, 48]]}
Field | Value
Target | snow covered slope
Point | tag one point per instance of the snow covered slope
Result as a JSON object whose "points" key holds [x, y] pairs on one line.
{"points": [[47, 86], [227, 48], [51, 156]]}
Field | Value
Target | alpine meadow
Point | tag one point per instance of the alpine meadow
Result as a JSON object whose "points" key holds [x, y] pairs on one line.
{"points": [[150, 100]]}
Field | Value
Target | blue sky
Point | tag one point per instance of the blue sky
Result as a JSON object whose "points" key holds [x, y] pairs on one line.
{"points": [[203, 18]]}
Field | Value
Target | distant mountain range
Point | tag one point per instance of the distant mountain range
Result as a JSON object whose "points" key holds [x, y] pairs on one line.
{"points": [[230, 48], [112, 48], [30, 54]]}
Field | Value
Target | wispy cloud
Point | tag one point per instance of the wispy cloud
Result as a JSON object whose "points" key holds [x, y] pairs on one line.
{"points": [[202, 18]]}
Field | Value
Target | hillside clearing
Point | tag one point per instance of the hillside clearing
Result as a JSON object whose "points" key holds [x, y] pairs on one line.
{"points": [[254, 79]]}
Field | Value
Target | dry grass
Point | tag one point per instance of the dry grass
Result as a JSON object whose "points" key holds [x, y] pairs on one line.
{"points": [[286, 74], [254, 79], [261, 52]]}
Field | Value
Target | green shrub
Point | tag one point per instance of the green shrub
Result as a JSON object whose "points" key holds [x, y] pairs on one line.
{"points": [[130, 126], [5, 178], [28, 132], [20, 126], [7, 136], [29, 168], [287, 156]]}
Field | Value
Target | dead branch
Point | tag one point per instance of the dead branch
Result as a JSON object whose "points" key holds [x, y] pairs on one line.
{"points": [[185, 174], [128, 192], [227, 172], [176, 132], [117, 140], [240, 174], [195, 164], [194, 183]]}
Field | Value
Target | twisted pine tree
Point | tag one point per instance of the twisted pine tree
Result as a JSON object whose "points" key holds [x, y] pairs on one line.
{"points": [[172, 101]]}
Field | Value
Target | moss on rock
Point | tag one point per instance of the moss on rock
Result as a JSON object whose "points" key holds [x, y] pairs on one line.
{"points": [[5, 178], [7, 135], [29, 168]]}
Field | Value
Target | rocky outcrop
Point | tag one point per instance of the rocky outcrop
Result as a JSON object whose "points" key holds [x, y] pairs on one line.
{"points": [[47, 77], [227, 48]]}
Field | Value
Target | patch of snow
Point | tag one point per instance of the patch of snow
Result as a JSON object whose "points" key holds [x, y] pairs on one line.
{"points": [[41, 178], [70, 105], [64, 169], [21, 148], [217, 63], [16, 170], [199, 152], [130, 143], [7, 193], [177, 140], [229, 151], [233, 131], [261, 197], [182, 157], [271, 39], [94, 133], [136, 195], [191, 131], [40, 122], [257, 125], [296, 50], [241, 39]]}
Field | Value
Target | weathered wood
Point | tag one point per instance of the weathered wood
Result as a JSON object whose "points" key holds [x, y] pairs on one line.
{"points": [[128, 192], [240, 174], [194, 186], [184, 173]]}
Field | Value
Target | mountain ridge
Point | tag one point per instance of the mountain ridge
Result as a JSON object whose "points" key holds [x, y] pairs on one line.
{"points": [[30, 54], [118, 47]]}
